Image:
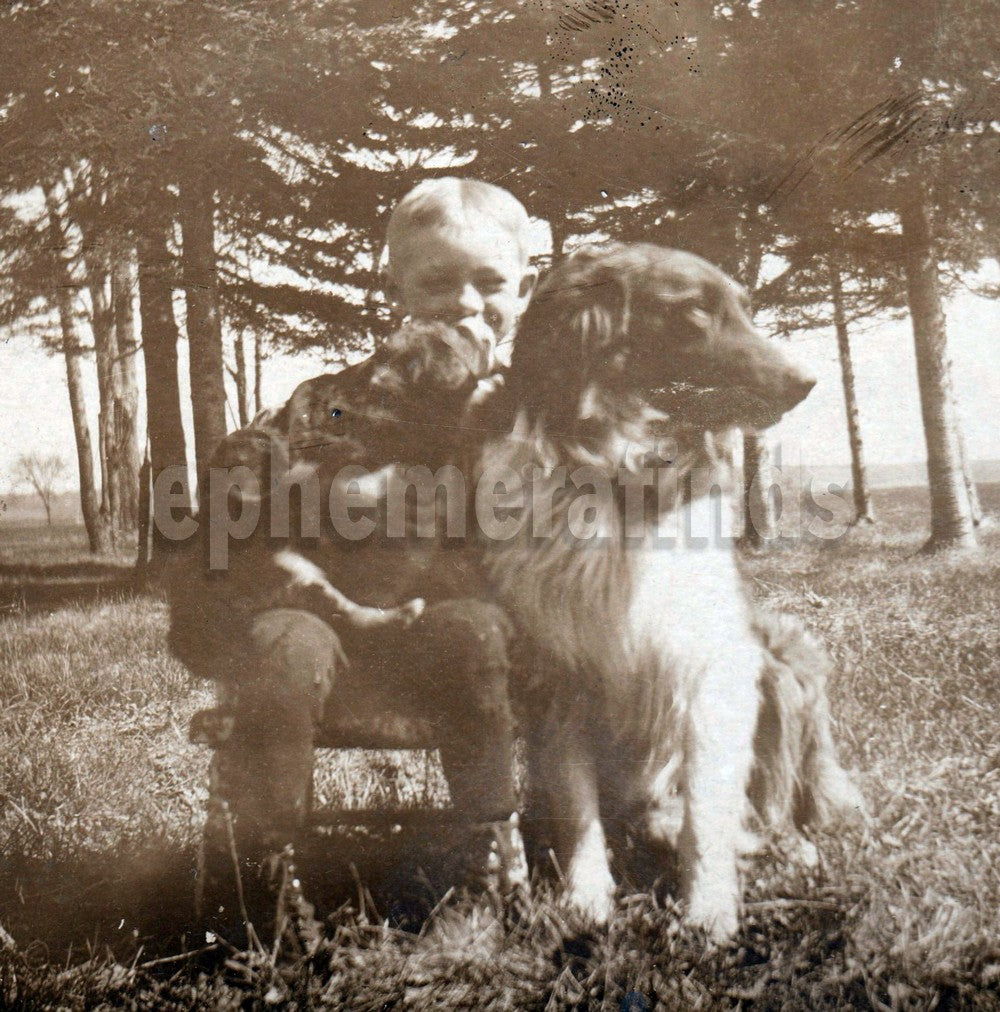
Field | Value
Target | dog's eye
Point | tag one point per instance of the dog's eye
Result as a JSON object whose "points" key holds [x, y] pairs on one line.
{"points": [[692, 307], [699, 316]]}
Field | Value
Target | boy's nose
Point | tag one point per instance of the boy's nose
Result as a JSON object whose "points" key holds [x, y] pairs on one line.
{"points": [[469, 301]]}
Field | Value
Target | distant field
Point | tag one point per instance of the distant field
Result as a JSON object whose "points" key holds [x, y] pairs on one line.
{"points": [[25, 509], [101, 800]]}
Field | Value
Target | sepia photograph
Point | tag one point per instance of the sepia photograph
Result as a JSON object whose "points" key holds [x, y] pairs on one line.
{"points": [[498, 504]]}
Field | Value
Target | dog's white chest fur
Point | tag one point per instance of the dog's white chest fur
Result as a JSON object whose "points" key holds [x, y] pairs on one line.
{"points": [[686, 602]]}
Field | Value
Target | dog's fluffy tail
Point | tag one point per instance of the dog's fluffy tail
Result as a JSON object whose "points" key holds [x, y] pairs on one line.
{"points": [[797, 779]]}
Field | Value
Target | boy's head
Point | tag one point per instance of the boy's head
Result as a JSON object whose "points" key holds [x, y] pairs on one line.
{"points": [[458, 252]]}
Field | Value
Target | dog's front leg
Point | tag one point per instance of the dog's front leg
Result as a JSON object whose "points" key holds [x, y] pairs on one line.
{"points": [[581, 847], [718, 755]]}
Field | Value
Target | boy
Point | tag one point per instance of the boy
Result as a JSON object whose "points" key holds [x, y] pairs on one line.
{"points": [[457, 254]]}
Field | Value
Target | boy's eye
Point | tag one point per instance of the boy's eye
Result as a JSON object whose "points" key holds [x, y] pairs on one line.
{"points": [[438, 286], [490, 284]]}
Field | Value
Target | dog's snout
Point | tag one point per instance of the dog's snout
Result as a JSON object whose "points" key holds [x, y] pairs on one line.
{"points": [[779, 382], [799, 385]]}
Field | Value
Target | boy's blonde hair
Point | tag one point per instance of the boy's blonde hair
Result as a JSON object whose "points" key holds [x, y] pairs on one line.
{"points": [[449, 202]]}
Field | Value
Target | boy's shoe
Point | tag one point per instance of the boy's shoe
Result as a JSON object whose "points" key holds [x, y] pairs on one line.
{"points": [[256, 903], [497, 871], [499, 864], [297, 932]]}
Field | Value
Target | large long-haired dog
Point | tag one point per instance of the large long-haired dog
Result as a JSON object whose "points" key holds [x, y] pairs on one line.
{"points": [[652, 682]]}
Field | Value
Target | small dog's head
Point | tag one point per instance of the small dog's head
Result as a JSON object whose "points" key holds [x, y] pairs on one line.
{"points": [[617, 325], [401, 405], [427, 361]]}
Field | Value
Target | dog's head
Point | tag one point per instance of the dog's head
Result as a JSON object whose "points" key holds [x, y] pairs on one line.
{"points": [[395, 407], [423, 361], [618, 326]]}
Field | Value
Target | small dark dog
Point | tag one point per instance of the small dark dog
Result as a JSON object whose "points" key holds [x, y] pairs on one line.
{"points": [[410, 397]]}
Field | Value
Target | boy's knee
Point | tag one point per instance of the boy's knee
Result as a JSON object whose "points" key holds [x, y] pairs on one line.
{"points": [[295, 649], [467, 636], [465, 647]]}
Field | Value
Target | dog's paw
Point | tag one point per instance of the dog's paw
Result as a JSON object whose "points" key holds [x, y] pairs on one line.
{"points": [[832, 796], [592, 908], [713, 901], [716, 916], [408, 613], [380, 618], [805, 853], [591, 897]]}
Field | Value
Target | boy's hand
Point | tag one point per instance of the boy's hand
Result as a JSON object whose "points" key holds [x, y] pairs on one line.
{"points": [[485, 389]]}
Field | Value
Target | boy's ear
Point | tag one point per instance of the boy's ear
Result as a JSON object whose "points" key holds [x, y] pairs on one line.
{"points": [[528, 281]]}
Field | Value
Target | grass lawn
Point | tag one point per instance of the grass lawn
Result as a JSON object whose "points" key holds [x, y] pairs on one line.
{"points": [[101, 799]]}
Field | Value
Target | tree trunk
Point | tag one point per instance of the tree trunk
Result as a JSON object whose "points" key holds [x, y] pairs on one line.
{"points": [[115, 347], [204, 326], [105, 352], [97, 532], [544, 80], [863, 512], [159, 350], [242, 391], [967, 475], [90, 504], [258, 361], [557, 225], [144, 556], [127, 458], [758, 504], [951, 514]]}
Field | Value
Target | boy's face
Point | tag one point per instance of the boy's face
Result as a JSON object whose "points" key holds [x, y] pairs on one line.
{"points": [[473, 279]]}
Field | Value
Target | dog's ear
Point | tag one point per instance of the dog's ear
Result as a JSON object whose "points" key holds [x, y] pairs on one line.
{"points": [[598, 299], [579, 311]]}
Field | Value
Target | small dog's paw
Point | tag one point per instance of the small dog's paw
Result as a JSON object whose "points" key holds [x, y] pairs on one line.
{"points": [[408, 613], [379, 618]]}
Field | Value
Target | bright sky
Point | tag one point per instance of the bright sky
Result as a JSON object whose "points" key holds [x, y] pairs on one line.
{"points": [[34, 406]]}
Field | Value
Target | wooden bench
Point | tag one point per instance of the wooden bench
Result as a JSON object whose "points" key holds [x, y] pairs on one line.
{"points": [[213, 726]]}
